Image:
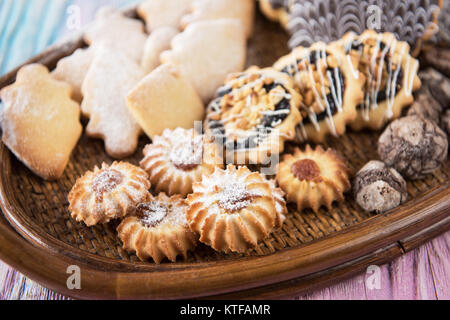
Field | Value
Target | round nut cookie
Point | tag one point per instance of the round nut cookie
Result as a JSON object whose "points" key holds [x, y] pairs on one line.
{"points": [[378, 188], [414, 146]]}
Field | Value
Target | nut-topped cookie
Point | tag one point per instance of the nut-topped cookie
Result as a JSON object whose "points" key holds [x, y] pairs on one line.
{"points": [[330, 88], [391, 76], [254, 113], [414, 146]]}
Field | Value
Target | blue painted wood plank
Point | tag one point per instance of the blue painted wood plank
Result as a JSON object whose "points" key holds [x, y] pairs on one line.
{"points": [[22, 44], [14, 16]]}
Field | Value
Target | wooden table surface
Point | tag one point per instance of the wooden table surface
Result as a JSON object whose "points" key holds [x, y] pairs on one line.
{"points": [[29, 26]]}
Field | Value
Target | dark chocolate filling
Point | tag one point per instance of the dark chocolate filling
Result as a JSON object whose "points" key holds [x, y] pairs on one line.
{"points": [[266, 125], [333, 107], [381, 96]]}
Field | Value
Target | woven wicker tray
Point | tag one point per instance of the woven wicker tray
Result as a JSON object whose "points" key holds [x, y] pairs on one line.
{"points": [[38, 237]]}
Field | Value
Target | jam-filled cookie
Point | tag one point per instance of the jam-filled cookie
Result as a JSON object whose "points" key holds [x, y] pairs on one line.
{"points": [[108, 193], [234, 209], [276, 10], [254, 113], [329, 87], [178, 158], [158, 230], [390, 72], [313, 178]]}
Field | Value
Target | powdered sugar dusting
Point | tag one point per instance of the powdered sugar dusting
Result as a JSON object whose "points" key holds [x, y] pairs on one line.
{"points": [[152, 213], [105, 181], [228, 190], [158, 212], [187, 149], [234, 197]]}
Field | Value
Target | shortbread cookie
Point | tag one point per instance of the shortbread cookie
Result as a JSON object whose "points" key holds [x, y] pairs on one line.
{"points": [[313, 178], [108, 193], [276, 10], [391, 76], [111, 76], [330, 88], [165, 99], [163, 13], [158, 230], [207, 51], [178, 158], [414, 146], [243, 10], [254, 114], [73, 70], [232, 210], [40, 122], [117, 32], [379, 188], [158, 41]]}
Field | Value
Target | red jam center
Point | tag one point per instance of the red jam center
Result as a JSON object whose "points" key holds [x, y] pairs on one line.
{"points": [[306, 169]]}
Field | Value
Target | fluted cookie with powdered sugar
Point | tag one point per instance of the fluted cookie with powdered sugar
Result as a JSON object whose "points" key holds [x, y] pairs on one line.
{"points": [[234, 209], [178, 158], [158, 229], [108, 193]]}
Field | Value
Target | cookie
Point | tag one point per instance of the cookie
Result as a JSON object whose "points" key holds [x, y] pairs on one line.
{"points": [[40, 122], [437, 84], [378, 188], [158, 42], [113, 30], [206, 52], [165, 99], [243, 10], [313, 178], [391, 76], [109, 79], [108, 193], [73, 70], [414, 146], [276, 10], [232, 210], [438, 59], [163, 13], [158, 230], [330, 88], [254, 113], [177, 159], [445, 122]]}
